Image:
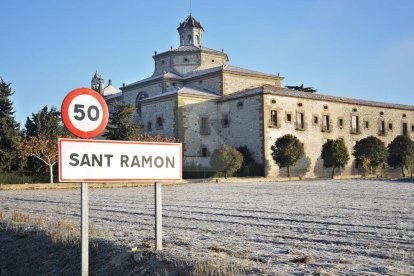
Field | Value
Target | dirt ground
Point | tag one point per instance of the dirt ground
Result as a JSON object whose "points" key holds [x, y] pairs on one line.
{"points": [[317, 227]]}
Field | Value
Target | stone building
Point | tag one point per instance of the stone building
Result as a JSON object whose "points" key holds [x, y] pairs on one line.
{"points": [[196, 96]]}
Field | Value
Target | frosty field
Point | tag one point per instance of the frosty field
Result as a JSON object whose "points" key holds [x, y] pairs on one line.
{"points": [[345, 227]]}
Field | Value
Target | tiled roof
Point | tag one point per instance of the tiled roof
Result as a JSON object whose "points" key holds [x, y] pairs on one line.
{"points": [[306, 95], [190, 22], [232, 68], [184, 91], [192, 48]]}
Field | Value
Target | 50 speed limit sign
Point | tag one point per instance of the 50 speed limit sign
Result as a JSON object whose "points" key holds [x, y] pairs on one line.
{"points": [[85, 113]]}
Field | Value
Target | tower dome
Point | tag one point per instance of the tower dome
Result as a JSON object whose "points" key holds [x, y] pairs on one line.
{"points": [[190, 32]]}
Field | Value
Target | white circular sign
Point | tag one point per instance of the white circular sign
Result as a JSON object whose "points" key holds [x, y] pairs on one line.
{"points": [[85, 113]]}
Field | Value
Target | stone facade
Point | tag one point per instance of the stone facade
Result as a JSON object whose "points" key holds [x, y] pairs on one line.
{"points": [[197, 97]]}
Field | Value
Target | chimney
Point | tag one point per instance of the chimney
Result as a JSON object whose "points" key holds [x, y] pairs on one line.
{"points": [[109, 82]]}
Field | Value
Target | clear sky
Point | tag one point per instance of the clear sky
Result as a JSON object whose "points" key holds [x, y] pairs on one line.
{"points": [[352, 48]]}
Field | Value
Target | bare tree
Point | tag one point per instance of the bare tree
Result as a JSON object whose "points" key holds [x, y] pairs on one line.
{"points": [[42, 149]]}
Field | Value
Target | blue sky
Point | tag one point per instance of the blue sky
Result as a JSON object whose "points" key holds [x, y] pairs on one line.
{"points": [[352, 48]]}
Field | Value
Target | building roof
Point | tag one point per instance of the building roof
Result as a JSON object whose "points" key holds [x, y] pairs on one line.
{"points": [[282, 91], [190, 91], [192, 48], [190, 22], [231, 68]]}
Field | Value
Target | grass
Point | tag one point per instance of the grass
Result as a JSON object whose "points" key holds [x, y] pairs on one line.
{"points": [[20, 217], [217, 267]]}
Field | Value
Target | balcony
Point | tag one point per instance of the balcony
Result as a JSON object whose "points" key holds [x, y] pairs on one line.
{"points": [[355, 130], [301, 126], [273, 124]]}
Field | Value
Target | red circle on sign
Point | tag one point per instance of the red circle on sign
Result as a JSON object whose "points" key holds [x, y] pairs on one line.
{"points": [[67, 120]]}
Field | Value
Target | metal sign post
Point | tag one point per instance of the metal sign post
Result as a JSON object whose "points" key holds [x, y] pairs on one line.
{"points": [[85, 228], [158, 216]]}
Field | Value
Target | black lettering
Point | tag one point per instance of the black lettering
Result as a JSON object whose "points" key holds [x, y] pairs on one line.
{"points": [[85, 160], [74, 158], [147, 160], [158, 161], [124, 160], [135, 161], [97, 160], [108, 159], [170, 162]]}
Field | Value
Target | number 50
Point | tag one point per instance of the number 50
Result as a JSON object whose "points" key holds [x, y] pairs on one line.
{"points": [[93, 112]]}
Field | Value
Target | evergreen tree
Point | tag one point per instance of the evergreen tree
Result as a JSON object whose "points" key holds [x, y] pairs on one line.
{"points": [[9, 131], [286, 151], [370, 153], [399, 152], [334, 154], [226, 159], [46, 124], [120, 126]]}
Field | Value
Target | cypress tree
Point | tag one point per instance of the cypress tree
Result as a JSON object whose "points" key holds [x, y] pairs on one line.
{"points": [[9, 131], [120, 126]]}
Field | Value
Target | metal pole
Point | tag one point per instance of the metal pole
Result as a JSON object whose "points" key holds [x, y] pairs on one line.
{"points": [[85, 228], [158, 216]]}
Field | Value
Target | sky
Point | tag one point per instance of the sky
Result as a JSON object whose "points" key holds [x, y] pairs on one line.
{"points": [[351, 48]]}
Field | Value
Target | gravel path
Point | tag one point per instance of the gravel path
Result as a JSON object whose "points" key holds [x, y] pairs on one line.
{"points": [[345, 227]]}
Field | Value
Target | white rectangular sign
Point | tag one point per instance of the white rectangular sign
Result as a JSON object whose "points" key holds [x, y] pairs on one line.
{"points": [[118, 161]]}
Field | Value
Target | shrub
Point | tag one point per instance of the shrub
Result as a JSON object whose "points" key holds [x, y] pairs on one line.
{"points": [[334, 154], [226, 159], [370, 153], [286, 151]]}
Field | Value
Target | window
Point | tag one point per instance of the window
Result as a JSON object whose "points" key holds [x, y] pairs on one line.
{"points": [[412, 128], [197, 40], [173, 84], [289, 117], [225, 121], [404, 115], [366, 124], [381, 113], [204, 151], [355, 124], [300, 104], [212, 60], [382, 127], [159, 122], [204, 127], [138, 102], [185, 59], [240, 105], [300, 122], [273, 101], [200, 81], [273, 118], [189, 40], [390, 126], [162, 62], [325, 107], [149, 126], [340, 122], [405, 129], [325, 123], [315, 120]]}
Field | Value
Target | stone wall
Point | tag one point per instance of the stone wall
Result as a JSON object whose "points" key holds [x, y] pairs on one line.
{"points": [[234, 82], [314, 136], [213, 84], [164, 108], [245, 124]]}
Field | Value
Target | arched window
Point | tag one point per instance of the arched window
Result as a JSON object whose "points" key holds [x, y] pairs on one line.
{"points": [[198, 39], [189, 40], [138, 104]]}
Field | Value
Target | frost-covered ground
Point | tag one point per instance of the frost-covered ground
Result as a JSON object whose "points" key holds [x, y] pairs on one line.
{"points": [[346, 227]]}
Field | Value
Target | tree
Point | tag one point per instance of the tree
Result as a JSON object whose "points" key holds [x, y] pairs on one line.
{"points": [[46, 124], [226, 159], [157, 138], [9, 131], [43, 149], [370, 153], [302, 89], [335, 154], [120, 126], [247, 155], [286, 151], [399, 152]]}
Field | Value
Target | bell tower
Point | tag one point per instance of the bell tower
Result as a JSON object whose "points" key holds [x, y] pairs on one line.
{"points": [[191, 32]]}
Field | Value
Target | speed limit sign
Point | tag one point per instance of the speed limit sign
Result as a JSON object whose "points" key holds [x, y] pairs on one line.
{"points": [[85, 113]]}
